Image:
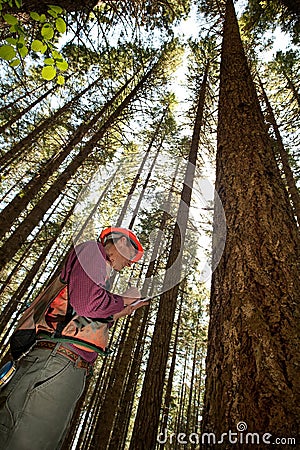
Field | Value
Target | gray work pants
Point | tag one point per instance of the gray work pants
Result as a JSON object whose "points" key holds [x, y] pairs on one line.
{"points": [[37, 405]]}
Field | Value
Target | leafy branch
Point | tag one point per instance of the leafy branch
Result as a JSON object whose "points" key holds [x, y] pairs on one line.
{"points": [[49, 27]]}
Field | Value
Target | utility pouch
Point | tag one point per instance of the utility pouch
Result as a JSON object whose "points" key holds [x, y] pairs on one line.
{"points": [[21, 341]]}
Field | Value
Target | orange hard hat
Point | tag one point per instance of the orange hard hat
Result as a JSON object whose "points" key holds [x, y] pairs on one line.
{"points": [[107, 232]]}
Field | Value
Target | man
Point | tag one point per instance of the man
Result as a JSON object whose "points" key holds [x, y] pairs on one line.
{"points": [[62, 332]]}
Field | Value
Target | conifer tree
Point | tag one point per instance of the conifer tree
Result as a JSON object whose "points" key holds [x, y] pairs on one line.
{"points": [[254, 315]]}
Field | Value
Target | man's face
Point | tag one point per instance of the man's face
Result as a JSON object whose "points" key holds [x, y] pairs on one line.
{"points": [[120, 254]]}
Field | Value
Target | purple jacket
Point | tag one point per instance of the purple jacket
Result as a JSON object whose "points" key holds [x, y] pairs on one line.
{"points": [[85, 273]]}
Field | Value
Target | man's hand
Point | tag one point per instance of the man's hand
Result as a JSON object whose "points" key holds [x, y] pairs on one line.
{"points": [[129, 310], [131, 295]]}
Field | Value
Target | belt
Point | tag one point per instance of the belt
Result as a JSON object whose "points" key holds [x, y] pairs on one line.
{"points": [[61, 350]]}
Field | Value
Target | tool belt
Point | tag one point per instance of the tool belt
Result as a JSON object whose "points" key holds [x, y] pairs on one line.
{"points": [[64, 351]]}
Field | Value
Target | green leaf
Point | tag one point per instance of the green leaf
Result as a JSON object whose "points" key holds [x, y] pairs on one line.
{"points": [[56, 8], [14, 62], [60, 80], [38, 46], [48, 72], [60, 25], [11, 20], [35, 16], [47, 31], [13, 28], [62, 65], [23, 51], [57, 55], [18, 3], [49, 61], [7, 52], [43, 18], [11, 40], [52, 13]]}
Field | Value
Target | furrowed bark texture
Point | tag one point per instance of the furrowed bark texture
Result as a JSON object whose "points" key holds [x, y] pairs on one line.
{"points": [[253, 352]]}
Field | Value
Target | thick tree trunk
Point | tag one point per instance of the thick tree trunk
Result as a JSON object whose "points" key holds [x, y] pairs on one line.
{"points": [[253, 351]]}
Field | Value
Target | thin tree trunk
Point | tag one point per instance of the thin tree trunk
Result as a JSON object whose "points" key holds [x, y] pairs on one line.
{"points": [[189, 412], [253, 346], [147, 420], [167, 399], [16, 117], [27, 93], [180, 413], [138, 175], [26, 142], [290, 180], [122, 364], [19, 236], [138, 203], [122, 419], [21, 200]]}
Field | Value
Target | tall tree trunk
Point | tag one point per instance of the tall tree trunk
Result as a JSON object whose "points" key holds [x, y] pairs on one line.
{"points": [[138, 175], [189, 411], [22, 96], [290, 180], [147, 420], [28, 192], [19, 236], [138, 203], [253, 347], [180, 411], [122, 419], [122, 364], [17, 116], [26, 142], [167, 399]]}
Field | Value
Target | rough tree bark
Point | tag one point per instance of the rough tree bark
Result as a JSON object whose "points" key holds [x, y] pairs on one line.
{"points": [[253, 351]]}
